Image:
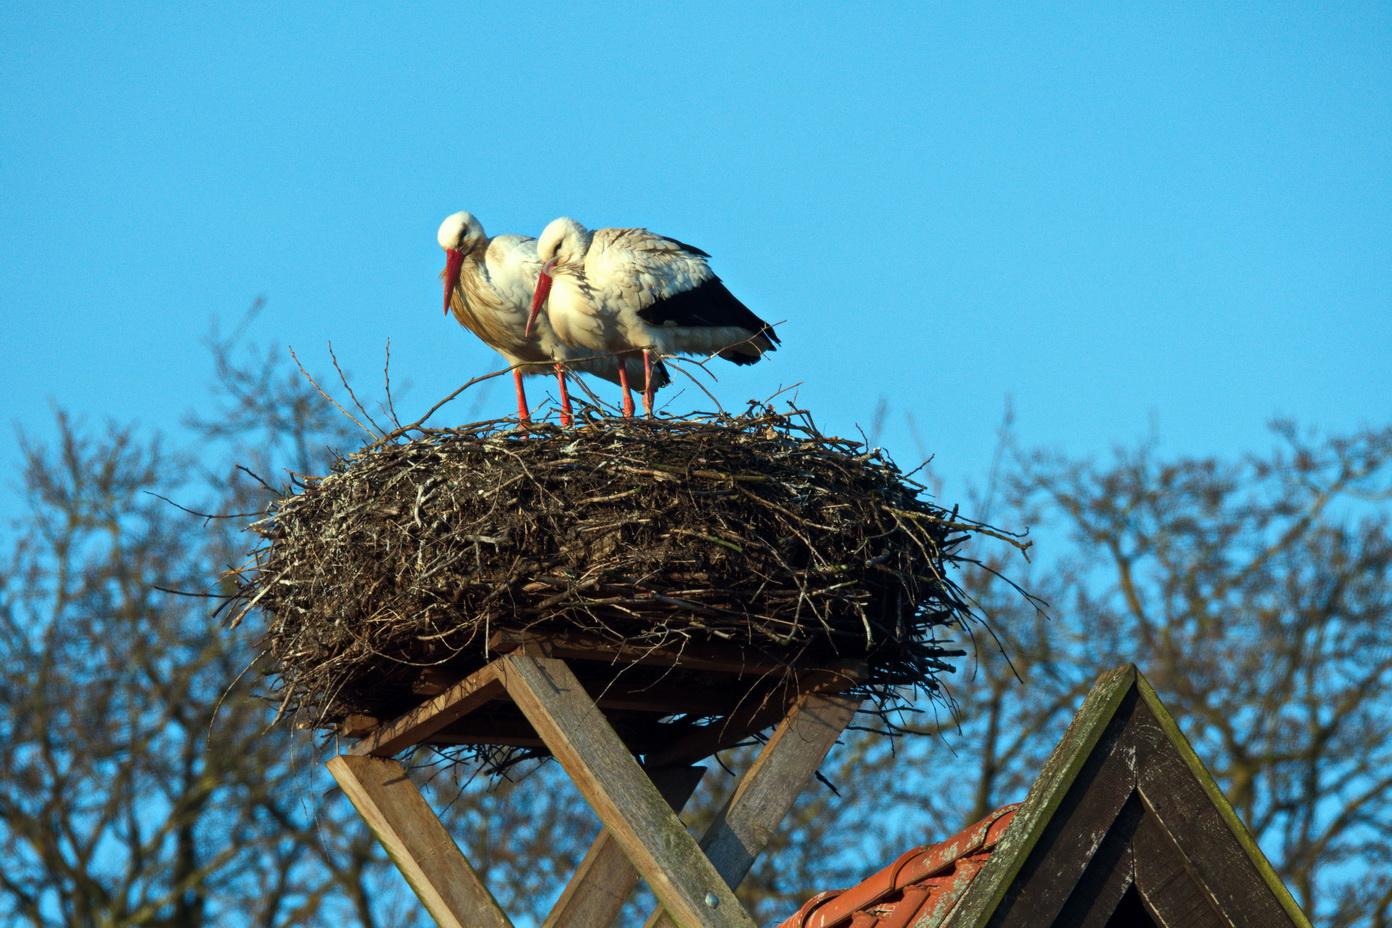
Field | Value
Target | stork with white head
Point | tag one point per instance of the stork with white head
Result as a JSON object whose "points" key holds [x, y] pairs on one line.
{"points": [[631, 291], [487, 284]]}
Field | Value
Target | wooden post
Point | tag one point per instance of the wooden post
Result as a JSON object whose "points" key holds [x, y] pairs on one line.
{"points": [[417, 843], [418, 724], [769, 788], [754, 716], [597, 892], [610, 779]]}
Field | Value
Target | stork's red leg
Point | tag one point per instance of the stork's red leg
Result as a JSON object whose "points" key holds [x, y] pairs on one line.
{"points": [[522, 414], [567, 420], [623, 385], [647, 383]]}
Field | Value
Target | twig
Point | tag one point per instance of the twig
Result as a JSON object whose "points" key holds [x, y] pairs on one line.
{"points": [[343, 378], [386, 377], [316, 386], [398, 432]]}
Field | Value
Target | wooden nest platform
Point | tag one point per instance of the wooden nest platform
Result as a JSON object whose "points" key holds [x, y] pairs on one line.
{"points": [[687, 569]]}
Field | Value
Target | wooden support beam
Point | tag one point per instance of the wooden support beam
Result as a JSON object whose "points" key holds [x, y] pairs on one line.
{"points": [[358, 725], [597, 892], [754, 716], [612, 688], [660, 700], [417, 843], [422, 722], [639, 734], [694, 656], [610, 779], [771, 785], [642, 836]]}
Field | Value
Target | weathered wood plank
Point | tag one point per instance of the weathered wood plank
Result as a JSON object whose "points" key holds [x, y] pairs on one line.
{"points": [[618, 790], [420, 723], [1051, 870], [754, 715], [1217, 849], [730, 659], [597, 892], [1174, 892], [417, 843], [358, 725], [1123, 743], [1061, 772], [638, 733], [1108, 877], [772, 784], [613, 687]]}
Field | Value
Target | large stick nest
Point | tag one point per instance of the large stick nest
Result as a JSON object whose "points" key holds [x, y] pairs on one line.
{"points": [[753, 530]]}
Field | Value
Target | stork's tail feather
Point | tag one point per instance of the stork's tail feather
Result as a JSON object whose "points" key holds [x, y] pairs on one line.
{"points": [[750, 351]]}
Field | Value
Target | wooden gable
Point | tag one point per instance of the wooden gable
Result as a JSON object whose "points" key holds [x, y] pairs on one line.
{"points": [[1124, 827]]}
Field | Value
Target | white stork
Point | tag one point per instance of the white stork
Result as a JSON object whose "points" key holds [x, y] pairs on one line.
{"points": [[488, 282], [621, 291]]}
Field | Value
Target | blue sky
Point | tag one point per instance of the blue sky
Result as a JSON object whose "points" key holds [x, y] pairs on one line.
{"points": [[1117, 215]]}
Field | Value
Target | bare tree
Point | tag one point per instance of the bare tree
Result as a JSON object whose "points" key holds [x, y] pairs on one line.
{"points": [[133, 797], [143, 785]]}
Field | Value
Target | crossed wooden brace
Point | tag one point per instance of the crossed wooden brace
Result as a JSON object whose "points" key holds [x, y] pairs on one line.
{"points": [[642, 835]]}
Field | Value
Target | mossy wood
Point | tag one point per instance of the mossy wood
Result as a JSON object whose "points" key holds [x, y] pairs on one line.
{"points": [[1124, 826], [416, 842], [604, 880]]}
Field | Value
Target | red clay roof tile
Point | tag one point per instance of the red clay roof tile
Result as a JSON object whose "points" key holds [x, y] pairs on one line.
{"points": [[926, 880]]}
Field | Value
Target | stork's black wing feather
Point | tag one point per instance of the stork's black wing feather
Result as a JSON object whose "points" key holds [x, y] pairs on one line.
{"points": [[709, 303]]}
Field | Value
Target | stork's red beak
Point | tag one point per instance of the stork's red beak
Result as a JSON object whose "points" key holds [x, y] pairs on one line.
{"points": [[543, 288], [452, 266]]}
